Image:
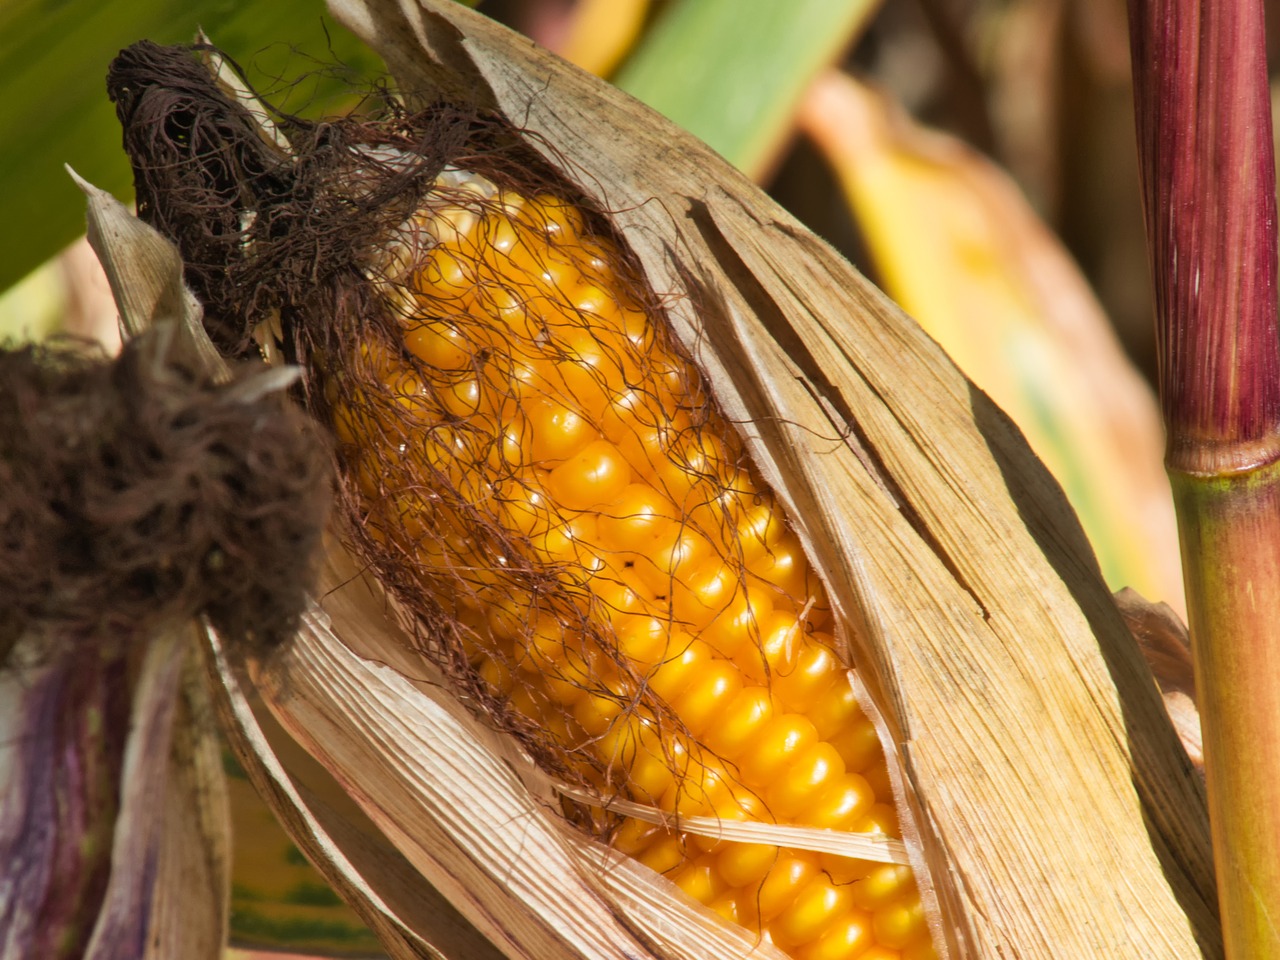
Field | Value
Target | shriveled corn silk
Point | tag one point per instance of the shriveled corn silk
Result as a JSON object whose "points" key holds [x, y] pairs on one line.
{"points": [[538, 473]]}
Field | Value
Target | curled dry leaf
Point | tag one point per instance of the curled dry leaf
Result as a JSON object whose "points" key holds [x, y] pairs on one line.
{"points": [[1166, 645], [1031, 753]]}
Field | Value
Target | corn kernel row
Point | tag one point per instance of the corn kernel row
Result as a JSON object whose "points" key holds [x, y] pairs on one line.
{"points": [[566, 492]]}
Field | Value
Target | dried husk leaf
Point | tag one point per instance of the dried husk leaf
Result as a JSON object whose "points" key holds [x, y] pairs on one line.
{"points": [[61, 744], [123, 926], [409, 918], [195, 848], [1165, 643], [1035, 756]]}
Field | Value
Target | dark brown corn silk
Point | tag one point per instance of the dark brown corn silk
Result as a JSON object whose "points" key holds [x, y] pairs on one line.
{"points": [[315, 239], [419, 353], [137, 492]]}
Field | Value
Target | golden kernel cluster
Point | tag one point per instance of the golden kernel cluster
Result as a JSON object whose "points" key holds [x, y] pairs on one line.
{"points": [[548, 443]]}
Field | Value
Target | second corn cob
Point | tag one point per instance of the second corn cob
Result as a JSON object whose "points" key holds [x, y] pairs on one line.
{"points": [[561, 486]]}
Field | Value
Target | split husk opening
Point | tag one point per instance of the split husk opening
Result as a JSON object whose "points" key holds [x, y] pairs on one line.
{"points": [[1037, 772]]}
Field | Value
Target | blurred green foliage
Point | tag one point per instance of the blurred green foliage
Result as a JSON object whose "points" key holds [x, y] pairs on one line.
{"points": [[54, 108], [731, 71]]}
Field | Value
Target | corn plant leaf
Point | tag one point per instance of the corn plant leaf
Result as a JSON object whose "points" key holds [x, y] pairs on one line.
{"points": [[731, 72], [958, 247], [1015, 703], [53, 59]]}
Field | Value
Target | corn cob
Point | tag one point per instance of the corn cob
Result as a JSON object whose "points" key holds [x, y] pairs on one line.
{"points": [[562, 487]]}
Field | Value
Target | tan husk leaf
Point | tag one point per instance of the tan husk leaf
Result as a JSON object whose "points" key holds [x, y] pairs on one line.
{"points": [[195, 848], [1052, 805], [1164, 641]]}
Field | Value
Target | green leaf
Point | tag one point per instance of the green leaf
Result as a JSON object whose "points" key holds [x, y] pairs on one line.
{"points": [[54, 108], [731, 71]]}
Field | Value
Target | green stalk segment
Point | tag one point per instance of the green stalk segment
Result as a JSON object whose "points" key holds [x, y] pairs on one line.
{"points": [[1230, 531]]}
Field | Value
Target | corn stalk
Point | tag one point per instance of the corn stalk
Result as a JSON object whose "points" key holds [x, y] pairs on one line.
{"points": [[1204, 121]]}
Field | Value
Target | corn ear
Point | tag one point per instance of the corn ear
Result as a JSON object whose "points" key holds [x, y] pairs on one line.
{"points": [[113, 822], [1028, 745], [964, 584]]}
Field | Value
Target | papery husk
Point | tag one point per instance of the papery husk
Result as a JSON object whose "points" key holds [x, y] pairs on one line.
{"points": [[1051, 810]]}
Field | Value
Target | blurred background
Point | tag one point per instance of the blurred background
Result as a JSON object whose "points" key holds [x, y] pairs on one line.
{"points": [[975, 158]]}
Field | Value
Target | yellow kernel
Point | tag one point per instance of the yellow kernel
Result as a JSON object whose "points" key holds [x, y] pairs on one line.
{"points": [[650, 776], [760, 528], [807, 775], [635, 518], [784, 567], [737, 907], [635, 835], [859, 745], [841, 804], [877, 774], [779, 645], [745, 864], [735, 633], [850, 936], [595, 475], [572, 542], [740, 722], [703, 788], [685, 660], [497, 675], [446, 275], [596, 713], [879, 818], [704, 592], [845, 870], [669, 558], [779, 741], [900, 923], [735, 805], [699, 879], [835, 708], [703, 700], [785, 879], [557, 431], [665, 854], [642, 640], [439, 344], [815, 906], [553, 217], [617, 602], [882, 886], [815, 668]]}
